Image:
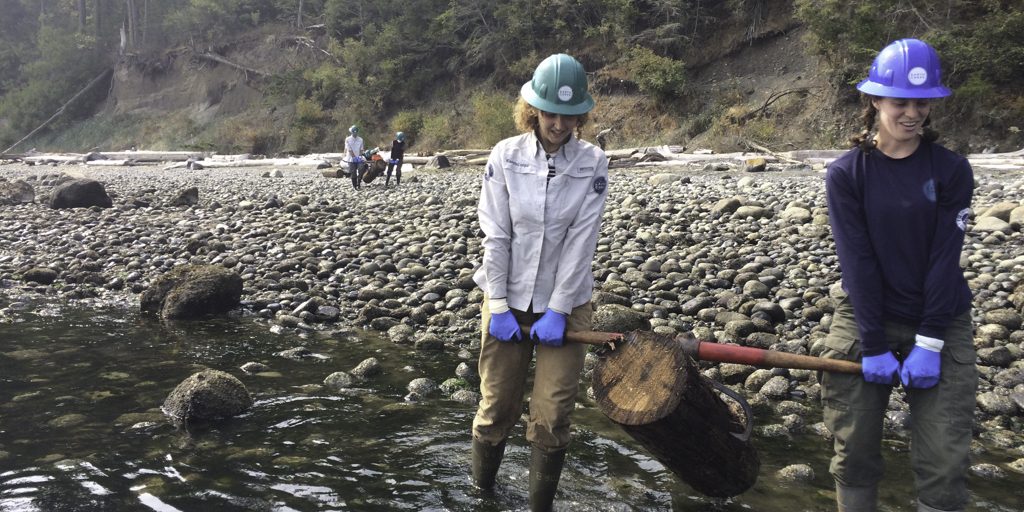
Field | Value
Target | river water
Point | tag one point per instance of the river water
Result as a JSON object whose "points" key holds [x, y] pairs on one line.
{"points": [[81, 430]]}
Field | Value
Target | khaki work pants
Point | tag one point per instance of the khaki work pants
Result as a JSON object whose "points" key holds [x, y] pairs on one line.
{"points": [[941, 417], [503, 378]]}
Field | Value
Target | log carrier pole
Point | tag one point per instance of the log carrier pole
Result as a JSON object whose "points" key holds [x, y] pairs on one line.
{"points": [[650, 386], [705, 351]]}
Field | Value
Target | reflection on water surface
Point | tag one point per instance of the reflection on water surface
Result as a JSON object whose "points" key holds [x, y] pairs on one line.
{"points": [[81, 430]]}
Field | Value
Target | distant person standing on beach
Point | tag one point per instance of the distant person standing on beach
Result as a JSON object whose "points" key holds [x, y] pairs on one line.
{"points": [[354, 154], [540, 211], [898, 203], [396, 159]]}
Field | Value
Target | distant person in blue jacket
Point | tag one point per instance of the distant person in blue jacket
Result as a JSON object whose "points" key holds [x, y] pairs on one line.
{"points": [[898, 204]]}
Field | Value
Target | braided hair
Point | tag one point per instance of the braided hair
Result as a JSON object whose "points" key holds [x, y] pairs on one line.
{"points": [[865, 140]]}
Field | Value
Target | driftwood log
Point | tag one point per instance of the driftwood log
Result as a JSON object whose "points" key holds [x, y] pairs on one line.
{"points": [[668, 156], [654, 392]]}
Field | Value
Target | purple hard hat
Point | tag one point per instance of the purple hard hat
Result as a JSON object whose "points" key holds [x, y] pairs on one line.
{"points": [[908, 68]]}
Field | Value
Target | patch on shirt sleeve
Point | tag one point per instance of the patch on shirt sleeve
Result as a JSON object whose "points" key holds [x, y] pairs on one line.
{"points": [[961, 219], [600, 183], [489, 172]]}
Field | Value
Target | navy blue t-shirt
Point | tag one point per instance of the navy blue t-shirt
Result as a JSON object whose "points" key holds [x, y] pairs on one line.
{"points": [[899, 229]]}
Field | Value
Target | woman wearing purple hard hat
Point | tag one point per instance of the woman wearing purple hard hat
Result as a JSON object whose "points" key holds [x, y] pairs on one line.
{"points": [[899, 204]]}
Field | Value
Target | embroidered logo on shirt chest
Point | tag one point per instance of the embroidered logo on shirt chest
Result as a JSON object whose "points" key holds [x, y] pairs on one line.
{"points": [[929, 190]]}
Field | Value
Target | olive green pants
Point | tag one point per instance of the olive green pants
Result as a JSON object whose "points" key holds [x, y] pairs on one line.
{"points": [[941, 417], [503, 378]]}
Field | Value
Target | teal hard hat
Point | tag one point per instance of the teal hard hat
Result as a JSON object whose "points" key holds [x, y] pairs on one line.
{"points": [[400, 136], [353, 129], [559, 86]]}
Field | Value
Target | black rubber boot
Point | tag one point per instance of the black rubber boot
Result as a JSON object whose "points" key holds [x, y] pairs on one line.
{"points": [[856, 499], [486, 460], [545, 470]]}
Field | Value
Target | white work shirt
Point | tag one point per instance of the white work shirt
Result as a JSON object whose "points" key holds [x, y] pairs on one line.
{"points": [[540, 235], [353, 143]]}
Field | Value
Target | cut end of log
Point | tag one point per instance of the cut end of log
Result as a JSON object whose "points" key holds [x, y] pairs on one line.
{"points": [[641, 380]]}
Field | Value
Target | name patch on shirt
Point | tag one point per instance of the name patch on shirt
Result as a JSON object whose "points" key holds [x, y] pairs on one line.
{"points": [[961, 219], [517, 164], [600, 183]]}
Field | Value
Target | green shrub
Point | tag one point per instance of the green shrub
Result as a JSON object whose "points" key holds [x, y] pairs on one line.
{"points": [[662, 77], [410, 123], [301, 139], [437, 132], [309, 113], [492, 118]]}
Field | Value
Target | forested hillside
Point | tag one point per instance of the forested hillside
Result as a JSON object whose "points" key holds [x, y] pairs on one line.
{"points": [[289, 76]]}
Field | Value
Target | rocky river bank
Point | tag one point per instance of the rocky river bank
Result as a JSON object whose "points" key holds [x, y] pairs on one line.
{"points": [[732, 256]]}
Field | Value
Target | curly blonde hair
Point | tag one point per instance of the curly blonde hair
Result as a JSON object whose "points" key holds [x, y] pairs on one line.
{"points": [[526, 118]]}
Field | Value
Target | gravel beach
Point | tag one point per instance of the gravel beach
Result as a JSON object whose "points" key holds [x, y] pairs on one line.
{"points": [[733, 256]]}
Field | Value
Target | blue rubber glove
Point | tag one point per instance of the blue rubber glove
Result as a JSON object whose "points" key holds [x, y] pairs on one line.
{"points": [[922, 367], [880, 369], [550, 329], [504, 327]]}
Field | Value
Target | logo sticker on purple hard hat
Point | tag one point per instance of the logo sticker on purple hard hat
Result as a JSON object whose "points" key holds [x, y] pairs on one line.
{"points": [[565, 93], [917, 76]]}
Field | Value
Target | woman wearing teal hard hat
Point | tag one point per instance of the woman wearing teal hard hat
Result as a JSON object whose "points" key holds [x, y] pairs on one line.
{"points": [[898, 204], [354, 154], [540, 209]]}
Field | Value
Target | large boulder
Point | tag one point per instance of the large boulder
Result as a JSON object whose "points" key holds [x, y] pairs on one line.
{"points": [[193, 291], [438, 162], [41, 275], [80, 193], [207, 395], [187, 197], [1000, 210], [618, 318], [16, 192]]}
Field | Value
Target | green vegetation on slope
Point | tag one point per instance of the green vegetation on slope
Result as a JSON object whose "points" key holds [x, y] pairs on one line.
{"points": [[402, 65]]}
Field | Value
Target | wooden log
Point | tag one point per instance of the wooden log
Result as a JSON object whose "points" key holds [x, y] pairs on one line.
{"points": [[222, 60], [654, 392], [262, 162], [61, 158], [416, 160], [151, 156], [108, 163], [464, 152], [371, 171]]}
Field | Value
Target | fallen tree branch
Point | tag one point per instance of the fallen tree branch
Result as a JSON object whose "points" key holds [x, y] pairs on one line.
{"points": [[221, 60], [772, 98], [309, 43], [761, 149], [60, 110]]}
